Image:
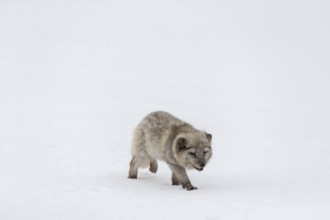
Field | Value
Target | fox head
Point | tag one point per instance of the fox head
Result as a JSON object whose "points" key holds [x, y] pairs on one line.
{"points": [[193, 150]]}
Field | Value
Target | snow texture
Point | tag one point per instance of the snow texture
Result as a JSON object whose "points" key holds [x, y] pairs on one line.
{"points": [[77, 76]]}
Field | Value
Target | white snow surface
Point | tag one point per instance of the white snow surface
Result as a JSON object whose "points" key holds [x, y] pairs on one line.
{"points": [[77, 76]]}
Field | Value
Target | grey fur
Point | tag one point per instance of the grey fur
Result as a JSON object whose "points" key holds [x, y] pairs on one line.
{"points": [[161, 136]]}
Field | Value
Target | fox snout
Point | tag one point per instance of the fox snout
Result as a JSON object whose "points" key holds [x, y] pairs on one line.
{"points": [[200, 166]]}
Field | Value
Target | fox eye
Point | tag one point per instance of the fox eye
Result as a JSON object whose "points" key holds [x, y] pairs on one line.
{"points": [[192, 154]]}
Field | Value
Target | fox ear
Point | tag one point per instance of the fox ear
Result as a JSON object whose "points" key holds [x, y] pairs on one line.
{"points": [[181, 143], [209, 137]]}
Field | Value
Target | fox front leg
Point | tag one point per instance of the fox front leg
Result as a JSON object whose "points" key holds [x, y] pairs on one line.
{"points": [[179, 176]]}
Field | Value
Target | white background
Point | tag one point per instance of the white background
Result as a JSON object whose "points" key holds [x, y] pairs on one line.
{"points": [[77, 76]]}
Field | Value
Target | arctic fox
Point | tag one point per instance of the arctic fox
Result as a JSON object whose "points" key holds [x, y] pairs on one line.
{"points": [[161, 136]]}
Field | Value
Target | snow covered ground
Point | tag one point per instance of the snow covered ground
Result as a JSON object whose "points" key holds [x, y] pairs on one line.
{"points": [[77, 76]]}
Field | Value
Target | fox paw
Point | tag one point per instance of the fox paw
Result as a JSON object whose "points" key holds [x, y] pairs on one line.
{"points": [[153, 169], [190, 187]]}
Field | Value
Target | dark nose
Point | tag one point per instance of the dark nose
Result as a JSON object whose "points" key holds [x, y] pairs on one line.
{"points": [[202, 164]]}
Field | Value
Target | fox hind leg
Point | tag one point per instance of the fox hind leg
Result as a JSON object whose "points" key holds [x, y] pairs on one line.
{"points": [[133, 169], [153, 166], [135, 163]]}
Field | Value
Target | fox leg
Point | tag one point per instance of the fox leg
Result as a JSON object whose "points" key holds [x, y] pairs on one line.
{"points": [[133, 169], [181, 177], [175, 180], [153, 166], [135, 163]]}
